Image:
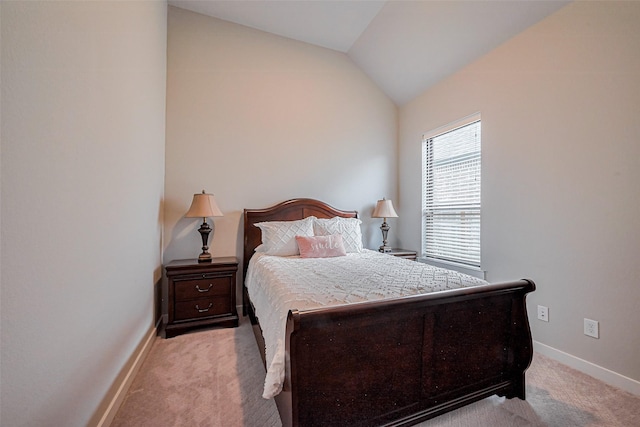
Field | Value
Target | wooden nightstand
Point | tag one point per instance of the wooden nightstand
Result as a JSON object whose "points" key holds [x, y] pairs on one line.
{"points": [[403, 253], [200, 294]]}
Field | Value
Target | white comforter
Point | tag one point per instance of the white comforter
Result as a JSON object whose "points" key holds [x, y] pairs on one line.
{"points": [[278, 284]]}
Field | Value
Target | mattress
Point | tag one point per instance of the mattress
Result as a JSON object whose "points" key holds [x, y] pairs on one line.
{"points": [[278, 284]]}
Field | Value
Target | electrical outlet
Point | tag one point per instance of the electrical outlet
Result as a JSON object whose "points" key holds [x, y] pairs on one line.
{"points": [[591, 328], [543, 313]]}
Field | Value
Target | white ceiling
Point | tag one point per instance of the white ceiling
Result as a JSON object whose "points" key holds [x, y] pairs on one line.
{"points": [[404, 46]]}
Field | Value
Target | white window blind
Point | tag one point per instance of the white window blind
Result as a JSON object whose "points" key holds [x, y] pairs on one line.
{"points": [[451, 195]]}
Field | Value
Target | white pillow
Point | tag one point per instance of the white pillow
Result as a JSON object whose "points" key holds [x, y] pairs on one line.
{"points": [[349, 228], [279, 237]]}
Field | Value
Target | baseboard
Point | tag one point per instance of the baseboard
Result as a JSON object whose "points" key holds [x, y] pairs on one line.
{"points": [[603, 374], [118, 391]]}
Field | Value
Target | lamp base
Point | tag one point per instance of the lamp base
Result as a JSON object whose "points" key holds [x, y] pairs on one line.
{"points": [[385, 229], [205, 257], [204, 230]]}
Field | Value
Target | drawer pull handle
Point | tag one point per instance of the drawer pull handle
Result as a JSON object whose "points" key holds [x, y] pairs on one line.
{"points": [[203, 310], [204, 290]]}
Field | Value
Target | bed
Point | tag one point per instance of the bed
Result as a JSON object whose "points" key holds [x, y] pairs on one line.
{"points": [[393, 361]]}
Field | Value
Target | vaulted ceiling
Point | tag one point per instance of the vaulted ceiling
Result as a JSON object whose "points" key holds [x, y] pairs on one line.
{"points": [[404, 46]]}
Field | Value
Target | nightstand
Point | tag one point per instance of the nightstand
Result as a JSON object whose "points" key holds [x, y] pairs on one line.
{"points": [[403, 253], [200, 294]]}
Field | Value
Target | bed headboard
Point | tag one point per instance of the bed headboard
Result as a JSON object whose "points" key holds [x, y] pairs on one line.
{"points": [[286, 211]]}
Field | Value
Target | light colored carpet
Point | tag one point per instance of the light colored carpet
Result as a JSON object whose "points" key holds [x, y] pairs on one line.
{"points": [[214, 378]]}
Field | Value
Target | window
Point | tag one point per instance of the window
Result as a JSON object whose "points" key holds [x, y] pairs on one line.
{"points": [[451, 193]]}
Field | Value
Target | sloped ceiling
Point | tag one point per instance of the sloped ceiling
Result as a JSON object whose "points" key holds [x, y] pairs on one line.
{"points": [[404, 46]]}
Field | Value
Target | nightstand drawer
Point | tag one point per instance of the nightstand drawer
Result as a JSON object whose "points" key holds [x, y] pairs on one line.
{"points": [[203, 307], [215, 286]]}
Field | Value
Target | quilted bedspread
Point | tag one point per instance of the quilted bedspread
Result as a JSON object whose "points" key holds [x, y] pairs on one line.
{"points": [[279, 284]]}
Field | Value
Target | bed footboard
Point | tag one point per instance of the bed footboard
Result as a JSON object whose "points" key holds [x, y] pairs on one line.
{"points": [[402, 361]]}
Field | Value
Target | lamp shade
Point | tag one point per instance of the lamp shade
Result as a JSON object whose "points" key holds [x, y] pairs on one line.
{"points": [[203, 205], [384, 209]]}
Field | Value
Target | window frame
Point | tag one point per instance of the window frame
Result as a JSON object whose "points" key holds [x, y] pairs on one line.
{"points": [[451, 262]]}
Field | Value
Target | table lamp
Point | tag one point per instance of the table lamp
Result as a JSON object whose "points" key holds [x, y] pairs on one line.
{"points": [[384, 209], [203, 206]]}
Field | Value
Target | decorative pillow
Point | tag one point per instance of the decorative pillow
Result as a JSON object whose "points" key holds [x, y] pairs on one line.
{"points": [[279, 237], [349, 228], [321, 246]]}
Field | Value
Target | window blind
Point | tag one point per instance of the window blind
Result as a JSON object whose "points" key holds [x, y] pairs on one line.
{"points": [[451, 195]]}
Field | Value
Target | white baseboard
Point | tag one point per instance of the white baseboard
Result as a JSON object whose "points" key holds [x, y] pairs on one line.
{"points": [[603, 374], [118, 391]]}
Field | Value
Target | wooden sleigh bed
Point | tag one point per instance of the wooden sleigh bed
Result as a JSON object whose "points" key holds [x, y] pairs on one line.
{"points": [[397, 361]]}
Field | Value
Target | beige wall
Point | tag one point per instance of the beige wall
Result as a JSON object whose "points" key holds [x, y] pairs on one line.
{"points": [[561, 167], [83, 129], [257, 119]]}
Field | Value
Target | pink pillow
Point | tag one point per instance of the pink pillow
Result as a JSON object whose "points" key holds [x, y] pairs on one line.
{"points": [[321, 246]]}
